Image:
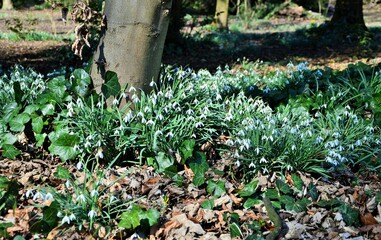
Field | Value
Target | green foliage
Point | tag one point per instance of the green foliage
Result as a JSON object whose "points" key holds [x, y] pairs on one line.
{"points": [[136, 216]]}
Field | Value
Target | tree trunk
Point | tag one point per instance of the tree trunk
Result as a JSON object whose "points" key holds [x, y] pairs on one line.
{"points": [[7, 5], [132, 45], [176, 23], [222, 13], [349, 12]]}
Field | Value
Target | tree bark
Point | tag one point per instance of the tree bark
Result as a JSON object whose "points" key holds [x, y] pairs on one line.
{"points": [[222, 14], [133, 43], [7, 5], [349, 12]]}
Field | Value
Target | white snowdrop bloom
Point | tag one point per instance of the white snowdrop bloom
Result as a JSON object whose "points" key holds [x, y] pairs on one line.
{"points": [[218, 97], [378, 142], [263, 160], [99, 153], [199, 124], [144, 120], [150, 123], [72, 217], [147, 109], [140, 114], [81, 198], [230, 142], [92, 214], [67, 184], [113, 198], [252, 165], [257, 150], [293, 147], [152, 83], [94, 193], [238, 163], [99, 104], [195, 101], [265, 170], [49, 196], [341, 148], [59, 214], [189, 112], [160, 117], [132, 89], [289, 168], [29, 193], [158, 132], [169, 94], [194, 135], [319, 140], [65, 219], [79, 165], [135, 98], [170, 134], [271, 138], [160, 94], [359, 142], [115, 102], [38, 195], [236, 154]]}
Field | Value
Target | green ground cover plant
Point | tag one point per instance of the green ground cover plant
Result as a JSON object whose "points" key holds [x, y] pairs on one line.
{"points": [[297, 119]]}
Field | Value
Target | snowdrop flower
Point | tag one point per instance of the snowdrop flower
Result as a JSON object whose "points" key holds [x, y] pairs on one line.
{"points": [[132, 89], [293, 147], [37, 196], [199, 124], [359, 142], [59, 214], [152, 83], [135, 98], [79, 165], [92, 214], [263, 160], [265, 170], [252, 165], [257, 150], [147, 109], [29, 193], [87, 144], [170, 134], [67, 184], [49, 196], [115, 102], [160, 117], [65, 219], [238, 163], [72, 217], [150, 122], [189, 112], [140, 114], [218, 97], [99, 153], [81, 198], [94, 193]]}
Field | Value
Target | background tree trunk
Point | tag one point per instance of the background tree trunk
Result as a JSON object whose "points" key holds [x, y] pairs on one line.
{"points": [[7, 5], [133, 43], [222, 13], [349, 12]]}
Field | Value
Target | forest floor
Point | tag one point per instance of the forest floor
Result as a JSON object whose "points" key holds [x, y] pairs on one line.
{"points": [[319, 222]]}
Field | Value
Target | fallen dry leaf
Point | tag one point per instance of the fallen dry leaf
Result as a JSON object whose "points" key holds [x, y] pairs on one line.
{"points": [[368, 219]]}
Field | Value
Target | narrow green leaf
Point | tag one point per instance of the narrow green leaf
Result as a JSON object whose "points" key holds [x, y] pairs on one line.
{"points": [[249, 189], [283, 187], [235, 230]]}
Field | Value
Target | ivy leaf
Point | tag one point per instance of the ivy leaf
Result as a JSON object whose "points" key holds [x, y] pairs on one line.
{"points": [[312, 191], [208, 204], [17, 123], [63, 146], [351, 216], [9, 138], [187, 148], [217, 188], [111, 87], [37, 124], [235, 230], [199, 167], [301, 205], [62, 173], [50, 214], [82, 81], [298, 182], [153, 216], [288, 201], [249, 189], [9, 151], [40, 139], [58, 86], [129, 220], [163, 162], [283, 187], [272, 193], [250, 202], [31, 109], [47, 109]]}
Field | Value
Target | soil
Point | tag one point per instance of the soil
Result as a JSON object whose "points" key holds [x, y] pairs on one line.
{"points": [[46, 56]]}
